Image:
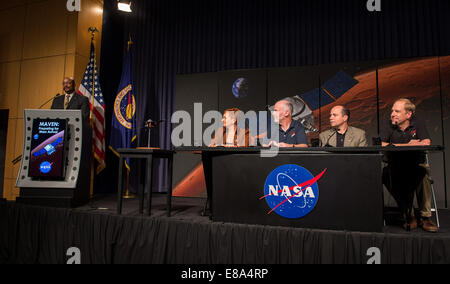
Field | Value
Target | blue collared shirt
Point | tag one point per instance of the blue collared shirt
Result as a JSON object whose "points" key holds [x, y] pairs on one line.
{"points": [[295, 134]]}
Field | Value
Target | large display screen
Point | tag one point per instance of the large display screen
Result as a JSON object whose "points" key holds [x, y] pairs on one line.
{"points": [[47, 159]]}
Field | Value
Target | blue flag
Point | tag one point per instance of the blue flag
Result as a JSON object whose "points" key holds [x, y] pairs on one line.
{"points": [[123, 126]]}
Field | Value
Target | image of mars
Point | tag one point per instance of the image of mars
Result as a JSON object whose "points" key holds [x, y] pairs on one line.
{"points": [[417, 79]]}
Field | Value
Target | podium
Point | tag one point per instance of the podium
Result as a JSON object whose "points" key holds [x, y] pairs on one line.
{"points": [[56, 159]]}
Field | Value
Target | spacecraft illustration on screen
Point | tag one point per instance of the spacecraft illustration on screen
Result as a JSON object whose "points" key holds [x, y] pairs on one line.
{"points": [[306, 103], [50, 148]]}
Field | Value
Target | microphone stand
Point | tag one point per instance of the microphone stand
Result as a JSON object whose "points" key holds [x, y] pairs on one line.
{"points": [[328, 141], [57, 95], [149, 124]]}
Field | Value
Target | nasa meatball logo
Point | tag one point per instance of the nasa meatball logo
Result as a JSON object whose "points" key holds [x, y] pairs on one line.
{"points": [[45, 167], [291, 191]]}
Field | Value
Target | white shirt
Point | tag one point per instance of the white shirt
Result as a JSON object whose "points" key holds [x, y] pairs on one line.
{"points": [[230, 135], [69, 96]]}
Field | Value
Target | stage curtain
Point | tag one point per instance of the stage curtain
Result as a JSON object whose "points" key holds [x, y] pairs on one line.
{"points": [[43, 235]]}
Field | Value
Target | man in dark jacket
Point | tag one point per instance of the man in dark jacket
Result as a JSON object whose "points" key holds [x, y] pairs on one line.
{"points": [[72, 100]]}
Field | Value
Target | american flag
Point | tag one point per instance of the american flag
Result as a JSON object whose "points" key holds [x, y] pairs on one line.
{"points": [[90, 85]]}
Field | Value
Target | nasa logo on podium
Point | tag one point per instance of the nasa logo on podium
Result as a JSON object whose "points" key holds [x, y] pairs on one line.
{"points": [[292, 191], [45, 167]]}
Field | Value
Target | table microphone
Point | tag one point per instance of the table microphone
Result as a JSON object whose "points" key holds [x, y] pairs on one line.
{"points": [[328, 141], [150, 123]]}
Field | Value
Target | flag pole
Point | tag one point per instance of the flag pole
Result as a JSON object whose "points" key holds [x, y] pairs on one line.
{"points": [[127, 194], [92, 30]]}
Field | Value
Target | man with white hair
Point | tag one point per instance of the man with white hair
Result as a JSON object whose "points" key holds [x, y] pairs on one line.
{"points": [[291, 132]]}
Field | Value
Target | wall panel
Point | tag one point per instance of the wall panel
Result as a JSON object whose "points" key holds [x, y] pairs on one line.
{"points": [[40, 80], [10, 145], [41, 42], [9, 89], [46, 29], [12, 22], [90, 17]]}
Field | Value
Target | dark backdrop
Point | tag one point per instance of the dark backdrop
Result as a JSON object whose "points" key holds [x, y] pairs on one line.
{"points": [[189, 36]]}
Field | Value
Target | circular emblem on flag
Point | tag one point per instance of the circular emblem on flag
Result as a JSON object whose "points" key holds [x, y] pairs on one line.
{"points": [[291, 191], [125, 107]]}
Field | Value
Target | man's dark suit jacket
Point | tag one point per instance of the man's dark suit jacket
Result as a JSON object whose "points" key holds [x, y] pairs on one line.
{"points": [[76, 102]]}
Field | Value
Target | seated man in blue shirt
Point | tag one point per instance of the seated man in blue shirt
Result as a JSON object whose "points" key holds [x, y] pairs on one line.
{"points": [[291, 132]]}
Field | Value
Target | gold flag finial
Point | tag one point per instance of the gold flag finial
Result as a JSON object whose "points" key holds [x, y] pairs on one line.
{"points": [[130, 42]]}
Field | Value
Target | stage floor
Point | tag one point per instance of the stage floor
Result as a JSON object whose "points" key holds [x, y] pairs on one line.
{"points": [[190, 209]]}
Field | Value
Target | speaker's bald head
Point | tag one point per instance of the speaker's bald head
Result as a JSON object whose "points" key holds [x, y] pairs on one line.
{"points": [[69, 85]]}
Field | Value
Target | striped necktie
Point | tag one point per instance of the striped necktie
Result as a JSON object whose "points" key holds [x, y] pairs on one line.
{"points": [[66, 102]]}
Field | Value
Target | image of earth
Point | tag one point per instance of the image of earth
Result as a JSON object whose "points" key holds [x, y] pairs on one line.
{"points": [[240, 88]]}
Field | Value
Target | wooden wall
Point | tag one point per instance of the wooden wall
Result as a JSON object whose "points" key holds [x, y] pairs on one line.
{"points": [[41, 42]]}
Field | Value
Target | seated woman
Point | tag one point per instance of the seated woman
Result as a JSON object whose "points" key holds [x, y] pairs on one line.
{"points": [[230, 135]]}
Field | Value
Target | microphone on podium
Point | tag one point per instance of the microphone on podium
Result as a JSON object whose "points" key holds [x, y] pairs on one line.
{"points": [[57, 95]]}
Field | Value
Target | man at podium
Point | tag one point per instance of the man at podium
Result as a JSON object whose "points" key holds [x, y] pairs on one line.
{"points": [[72, 100]]}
